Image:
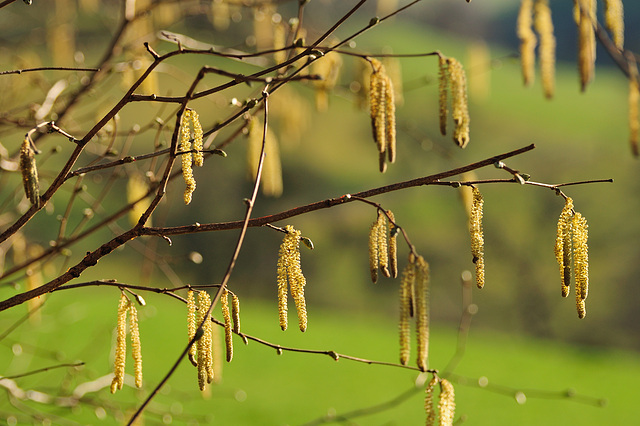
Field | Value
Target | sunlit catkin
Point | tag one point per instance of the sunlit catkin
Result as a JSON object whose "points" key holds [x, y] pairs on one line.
{"points": [[581, 261], [328, 68], [187, 158], [137, 188], [228, 324], [390, 119], [477, 237], [459, 102], [204, 344], [527, 41], [443, 89], [373, 251], [547, 51], [422, 312], [393, 245], [614, 21], [192, 326], [634, 99], [377, 98], [29, 172], [447, 404], [383, 246], [136, 349], [585, 16], [235, 312], [428, 401], [289, 269], [563, 247], [407, 284], [121, 345], [271, 180]]}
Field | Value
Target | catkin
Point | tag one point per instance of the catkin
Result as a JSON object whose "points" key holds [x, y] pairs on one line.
{"points": [[136, 349], [422, 312], [228, 324], [614, 21], [121, 345], [634, 98], [547, 51], [289, 269], [581, 261], [527, 41], [235, 312], [393, 245], [373, 251], [563, 245], [406, 310], [459, 102], [447, 404], [328, 68], [585, 17], [477, 238], [187, 158], [29, 172], [271, 180], [204, 344], [192, 326], [382, 111], [428, 401], [383, 246], [443, 88], [390, 124]]}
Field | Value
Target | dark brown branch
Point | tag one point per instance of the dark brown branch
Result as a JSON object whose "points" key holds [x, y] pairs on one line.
{"points": [[48, 69], [42, 370], [261, 221]]}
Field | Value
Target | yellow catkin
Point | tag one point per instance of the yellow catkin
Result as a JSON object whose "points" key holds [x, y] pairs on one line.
{"points": [[137, 187], [447, 403], [235, 312], [136, 349], [121, 345], [204, 344], [377, 98], [228, 324], [562, 248], [373, 251], [394, 71], [581, 261], [297, 281], [428, 401], [443, 88], [406, 311], [634, 98], [198, 156], [192, 326], [547, 51], [614, 21], [289, 269], [283, 290], [271, 181], [390, 120], [383, 246], [279, 42], [393, 246], [220, 15], [328, 68], [585, 16], [459, 102], [187, 158], [527, 41], [422, 312], [477, 237], [29, 172]]}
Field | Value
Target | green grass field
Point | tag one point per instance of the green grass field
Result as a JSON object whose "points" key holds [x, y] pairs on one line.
{"points": [[260, 387]]}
